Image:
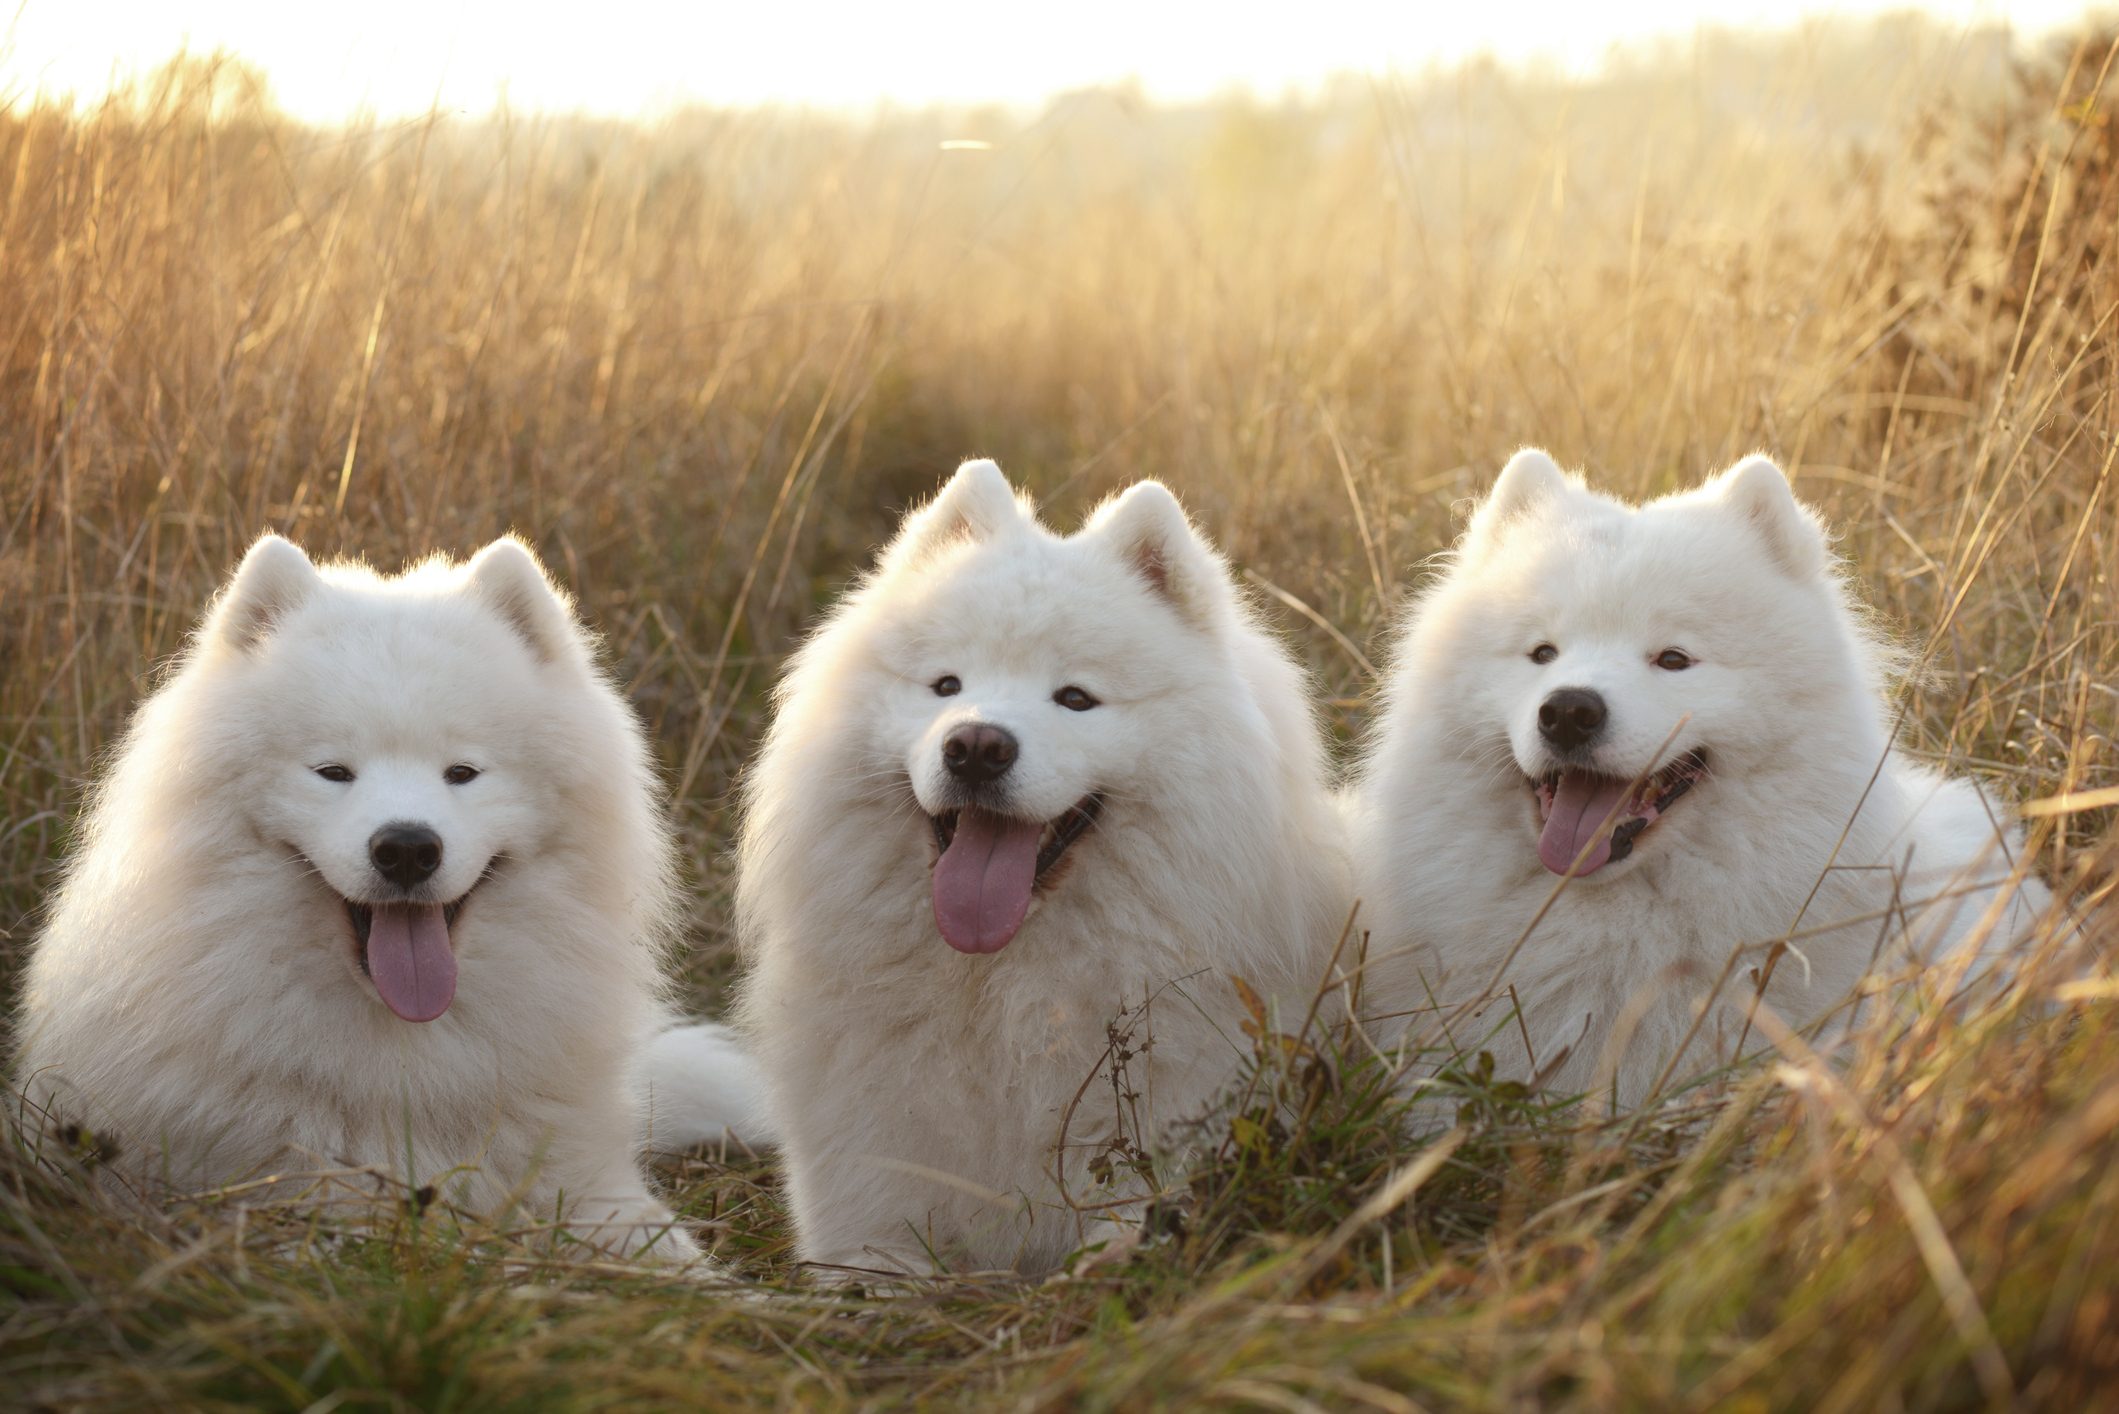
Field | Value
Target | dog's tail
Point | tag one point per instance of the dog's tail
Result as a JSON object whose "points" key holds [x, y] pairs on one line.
{"points": [[703, 1088]]}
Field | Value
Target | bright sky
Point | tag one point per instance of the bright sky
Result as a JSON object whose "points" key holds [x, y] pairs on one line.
{"points": [[633, 57]]}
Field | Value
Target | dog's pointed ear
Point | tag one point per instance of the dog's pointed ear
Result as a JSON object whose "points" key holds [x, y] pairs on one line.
{"points": [[1530, 481], [509, 578], [1758, 490], [274, 578], [1152, 536], [976, 504]]}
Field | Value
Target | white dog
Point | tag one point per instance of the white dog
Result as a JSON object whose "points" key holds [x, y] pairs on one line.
{"points": [[377, 879], [1030, 804], [1678, 711]]}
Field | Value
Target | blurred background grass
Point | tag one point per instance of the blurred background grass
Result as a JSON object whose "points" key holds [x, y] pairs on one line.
{"points": [[704, 365]]}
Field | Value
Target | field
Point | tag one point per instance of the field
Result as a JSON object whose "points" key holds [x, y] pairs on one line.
{"points": [[703, 366]]}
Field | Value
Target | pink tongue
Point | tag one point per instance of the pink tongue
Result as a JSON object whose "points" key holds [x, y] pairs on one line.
{"points": [[410, 960], [983, 880], [1580, 803]]}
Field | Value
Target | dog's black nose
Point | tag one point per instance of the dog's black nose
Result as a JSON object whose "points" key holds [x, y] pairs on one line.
{"points": [[1571, 718], [979, 752], [405, 854]]}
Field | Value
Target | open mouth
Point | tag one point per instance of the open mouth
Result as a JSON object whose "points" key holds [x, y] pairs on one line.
{"points": [[408, 951], [363, 916], [990, 865], [1573, 807]]}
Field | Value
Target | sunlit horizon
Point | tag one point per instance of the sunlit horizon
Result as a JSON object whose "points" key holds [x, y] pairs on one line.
{"points": [[395, 58]]}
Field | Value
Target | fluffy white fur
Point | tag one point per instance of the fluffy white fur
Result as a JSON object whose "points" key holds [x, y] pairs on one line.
{"points": [[199, 996], [703, 1087], [919, 1092], [1787, 699]]}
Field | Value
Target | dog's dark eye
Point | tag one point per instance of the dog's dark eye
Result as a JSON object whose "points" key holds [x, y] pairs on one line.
{"points": [[1074, 699], [335, 772], [947, 686], [1674, 660], [1544, 653], [460, 773]]}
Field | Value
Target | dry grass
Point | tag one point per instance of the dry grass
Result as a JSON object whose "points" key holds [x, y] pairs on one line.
{"points": [[703, 367]]}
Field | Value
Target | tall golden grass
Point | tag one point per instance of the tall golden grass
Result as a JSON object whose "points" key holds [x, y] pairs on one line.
{"points": [[704, 365]]}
